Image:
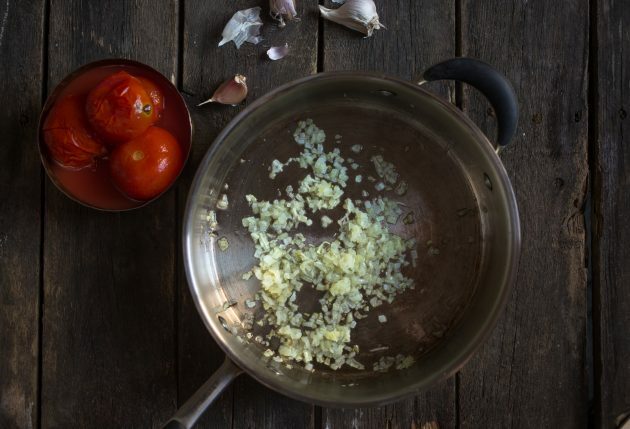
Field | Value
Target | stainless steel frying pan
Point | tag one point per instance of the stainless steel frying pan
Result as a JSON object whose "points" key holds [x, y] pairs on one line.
{"points": [[463, 205]]}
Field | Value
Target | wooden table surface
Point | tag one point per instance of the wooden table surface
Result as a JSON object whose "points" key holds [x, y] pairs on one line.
{"points": [[97, 326]]}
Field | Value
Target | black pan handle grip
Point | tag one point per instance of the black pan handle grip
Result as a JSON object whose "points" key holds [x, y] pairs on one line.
{"points": [[492, 84]]}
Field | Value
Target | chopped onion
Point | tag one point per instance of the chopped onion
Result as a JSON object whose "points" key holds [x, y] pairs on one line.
{"points": [[223, 244], [223, 203], [384, 169], [358, 265]]}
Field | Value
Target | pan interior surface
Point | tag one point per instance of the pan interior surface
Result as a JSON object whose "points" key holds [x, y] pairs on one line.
{"points": [[453, 197]]}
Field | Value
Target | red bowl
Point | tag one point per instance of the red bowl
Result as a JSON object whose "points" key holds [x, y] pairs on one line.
{"points": [[92, 186]]}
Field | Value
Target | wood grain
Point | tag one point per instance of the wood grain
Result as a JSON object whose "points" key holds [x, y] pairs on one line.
{"points": [[108, 323], [122, 343], [205, 66], [418, 35], [532, 373], [20, 216], [611, 271]]}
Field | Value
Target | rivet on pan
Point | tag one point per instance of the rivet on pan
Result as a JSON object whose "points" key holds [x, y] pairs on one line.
{"points": [[385, 93], [487, 181], [224, 323]]}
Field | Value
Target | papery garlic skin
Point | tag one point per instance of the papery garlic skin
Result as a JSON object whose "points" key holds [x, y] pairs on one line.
{"points": [[232, 92], [281, 9], [359, 15], [244, 26]]}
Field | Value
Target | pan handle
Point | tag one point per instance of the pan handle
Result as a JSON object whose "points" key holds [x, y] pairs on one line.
{"points": [[492, 84], [194, 407]]}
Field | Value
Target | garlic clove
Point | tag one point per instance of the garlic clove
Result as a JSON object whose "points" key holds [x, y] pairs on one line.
{"points": [[281, 10], [278, 52], [231, 91], [244, 26], [359, 15]]}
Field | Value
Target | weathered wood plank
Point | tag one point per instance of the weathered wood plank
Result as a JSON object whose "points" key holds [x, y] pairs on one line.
{"points": [[418, 35], [247, 404], [20, 217], [108, 325], [611, 272], [532, 373]]}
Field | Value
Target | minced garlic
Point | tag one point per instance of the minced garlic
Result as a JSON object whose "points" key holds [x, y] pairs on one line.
{"points": [[358, 269]]}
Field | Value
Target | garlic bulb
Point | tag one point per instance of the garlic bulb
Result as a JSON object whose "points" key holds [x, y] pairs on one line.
{"points": [[281, 9], [232, 92], [359, 15]]}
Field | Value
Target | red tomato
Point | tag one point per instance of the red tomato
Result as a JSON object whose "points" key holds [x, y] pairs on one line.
{"points": [[67, 135], [155, 94], [119, 108], [144, 167]]}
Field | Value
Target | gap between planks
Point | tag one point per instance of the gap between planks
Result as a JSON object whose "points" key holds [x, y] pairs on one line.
{"points": [[42, 224]]}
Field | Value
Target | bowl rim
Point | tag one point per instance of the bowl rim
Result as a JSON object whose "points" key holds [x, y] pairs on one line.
{"points": [[54, 95]]}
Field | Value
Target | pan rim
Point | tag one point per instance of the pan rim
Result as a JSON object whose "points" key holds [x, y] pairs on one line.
{"points": [[469, 348]]}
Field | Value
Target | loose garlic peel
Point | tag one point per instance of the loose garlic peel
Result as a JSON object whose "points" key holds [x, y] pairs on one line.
{"points": [[359, 15], [358, 269], [244, 26]]}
